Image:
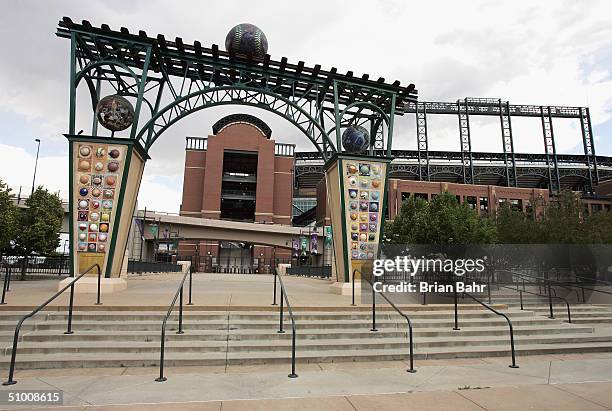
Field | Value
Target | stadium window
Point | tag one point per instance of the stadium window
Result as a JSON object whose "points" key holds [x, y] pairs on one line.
{"points": [[422, 196], [484, 204], [471, 202], [516, 205], [405, 196]]}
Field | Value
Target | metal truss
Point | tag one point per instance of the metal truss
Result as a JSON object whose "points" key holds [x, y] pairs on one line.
{"points": [[505, 111], [490, 107], [465, 141], [589, 146], [422, 142], [508, 143], [550, 149], [174, 79]]}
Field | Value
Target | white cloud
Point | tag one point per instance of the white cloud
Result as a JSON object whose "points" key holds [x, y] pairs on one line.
{"points": [[158, 197], [17, 168]]}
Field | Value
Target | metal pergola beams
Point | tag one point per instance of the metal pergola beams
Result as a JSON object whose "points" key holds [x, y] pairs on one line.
{"points": [[198, 77], [170, 57]]}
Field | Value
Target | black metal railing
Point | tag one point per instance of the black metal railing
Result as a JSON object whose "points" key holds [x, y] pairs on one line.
{"points": [[10, 380], [39, 266], [178, 295], [283, 297], [6, 284], [400, 312], [488, 307]]}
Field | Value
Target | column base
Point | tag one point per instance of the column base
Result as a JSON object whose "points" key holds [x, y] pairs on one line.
{"points": [[345, 288], [89, 285]]}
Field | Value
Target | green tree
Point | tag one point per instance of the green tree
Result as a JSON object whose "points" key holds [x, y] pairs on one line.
{"points": [[599, 227], [39, 224], [563, 221], [517, 227], [8, 217], [441, 221]]}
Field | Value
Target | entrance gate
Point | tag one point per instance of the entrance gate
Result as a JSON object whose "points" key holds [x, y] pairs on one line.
{"points": [[166, 81]]}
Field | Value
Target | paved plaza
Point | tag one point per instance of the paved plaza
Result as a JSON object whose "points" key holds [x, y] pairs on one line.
{"points": [[209, 290], [541, 383]]}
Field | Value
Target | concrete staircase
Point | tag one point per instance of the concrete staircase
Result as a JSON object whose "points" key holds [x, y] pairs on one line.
{"points": [[117, 338], [600, 315]]}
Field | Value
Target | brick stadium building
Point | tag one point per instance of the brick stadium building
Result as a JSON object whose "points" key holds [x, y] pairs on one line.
{"points": [[241, 173]]}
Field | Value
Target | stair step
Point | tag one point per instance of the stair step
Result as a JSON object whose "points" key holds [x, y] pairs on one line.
{"points": [[364, 332], [235, 358]]}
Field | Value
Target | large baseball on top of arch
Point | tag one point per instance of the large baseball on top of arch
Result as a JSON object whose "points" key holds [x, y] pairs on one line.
{"points": [[355, 139], [247, 39]]}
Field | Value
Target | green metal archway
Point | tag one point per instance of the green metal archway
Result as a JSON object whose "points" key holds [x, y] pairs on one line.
{"points": [[172, 80]]}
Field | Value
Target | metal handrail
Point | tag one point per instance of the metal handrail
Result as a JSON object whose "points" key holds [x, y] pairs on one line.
{"points": [[593, 279], [552, 315], [562, 284], [549, 295], [10, 380], [280, 330], [6, 284], [513, 365], [179, 293], [400, 312], [549, 280]]}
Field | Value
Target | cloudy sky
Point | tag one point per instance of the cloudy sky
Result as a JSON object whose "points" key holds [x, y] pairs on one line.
{"points": [[544, 53]]}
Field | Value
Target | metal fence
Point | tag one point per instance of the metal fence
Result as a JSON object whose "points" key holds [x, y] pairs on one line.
{"points": [[310, 271], [36, 266], [234, 265], [136, 266]]}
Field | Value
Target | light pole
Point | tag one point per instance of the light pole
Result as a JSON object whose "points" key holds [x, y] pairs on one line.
{"points": [[35, 164]]}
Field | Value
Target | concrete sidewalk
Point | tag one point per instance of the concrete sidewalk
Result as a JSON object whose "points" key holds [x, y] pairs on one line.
{"points": [[574, 382]]}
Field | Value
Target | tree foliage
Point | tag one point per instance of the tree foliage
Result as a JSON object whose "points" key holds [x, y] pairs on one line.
{"points": [[564, 220], [8, 217], [441, 221], [40, 223]]}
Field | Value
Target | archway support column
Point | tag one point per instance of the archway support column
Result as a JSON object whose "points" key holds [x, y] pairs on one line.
{"points": [[105, 176], [357, 192]]}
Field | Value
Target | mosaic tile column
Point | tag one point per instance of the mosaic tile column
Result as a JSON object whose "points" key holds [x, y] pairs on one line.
{"points": [[105, 175], [356, 191]]}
